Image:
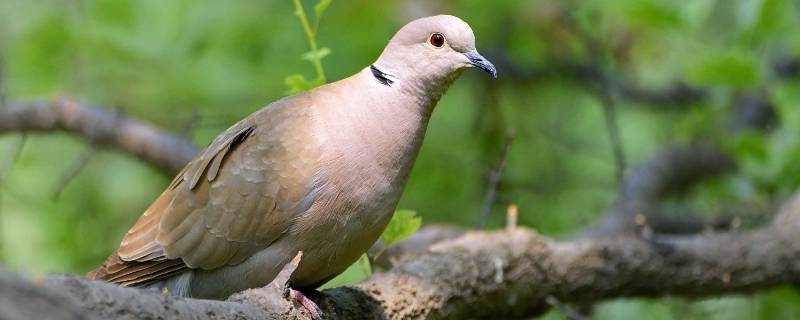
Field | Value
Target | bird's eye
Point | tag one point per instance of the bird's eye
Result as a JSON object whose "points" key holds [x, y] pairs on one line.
{"points": [[437, 40]]}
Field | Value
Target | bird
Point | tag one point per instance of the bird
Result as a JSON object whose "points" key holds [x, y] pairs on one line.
{"points": [[319, 172]]}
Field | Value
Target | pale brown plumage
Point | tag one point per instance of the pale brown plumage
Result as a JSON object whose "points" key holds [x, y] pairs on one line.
{"points": [[320, 172]]}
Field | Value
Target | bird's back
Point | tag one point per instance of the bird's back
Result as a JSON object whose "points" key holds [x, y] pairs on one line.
{"points": [[236, 197]]}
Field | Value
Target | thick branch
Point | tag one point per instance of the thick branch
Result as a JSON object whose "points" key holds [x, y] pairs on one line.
{"points": [[21, 300], [511, 274], [101, 127], [502, 274]]}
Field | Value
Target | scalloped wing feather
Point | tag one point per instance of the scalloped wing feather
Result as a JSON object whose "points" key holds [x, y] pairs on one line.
{"points": [[238, 196]]}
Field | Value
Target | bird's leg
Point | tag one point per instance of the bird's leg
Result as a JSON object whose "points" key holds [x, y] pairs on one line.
{"points": [[308, 303]]}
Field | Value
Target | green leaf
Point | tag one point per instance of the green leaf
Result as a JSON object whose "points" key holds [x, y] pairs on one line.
{"points": [[654, 14], [696, 13], [297, 83], [320, 7], [727, 69], [771, 15], [364, 265], [316, 55], [355, 273], [403, 224], [751, 145]]}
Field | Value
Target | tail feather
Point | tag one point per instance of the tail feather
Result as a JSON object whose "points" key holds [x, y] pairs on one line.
{"points": [[136, 273]]}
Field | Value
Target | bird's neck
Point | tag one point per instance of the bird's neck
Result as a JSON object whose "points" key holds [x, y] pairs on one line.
{"points": [[382, 127], [400, 115], [422, 88]]}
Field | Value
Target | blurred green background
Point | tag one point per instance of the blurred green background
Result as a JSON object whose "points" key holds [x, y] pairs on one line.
{"points": [[196, 67]]}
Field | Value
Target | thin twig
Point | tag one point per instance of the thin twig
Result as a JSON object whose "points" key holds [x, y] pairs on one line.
{"points": [[74, 169], [311, 36], [3, 176], [512, 214], [603, 89], [495, 175], [612, 128], [83, 159], [3, 96], [191, 125]]}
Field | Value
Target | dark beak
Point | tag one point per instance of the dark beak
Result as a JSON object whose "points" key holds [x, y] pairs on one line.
{"points": [[477, 60]]}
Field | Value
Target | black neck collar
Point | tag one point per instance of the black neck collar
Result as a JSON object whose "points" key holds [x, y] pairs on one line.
{"points": [[381, 76]]}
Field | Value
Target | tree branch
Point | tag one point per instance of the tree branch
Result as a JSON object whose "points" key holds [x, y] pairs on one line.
{"points": [[493, 178], [497, 274], [667, 173], [164, 150]]}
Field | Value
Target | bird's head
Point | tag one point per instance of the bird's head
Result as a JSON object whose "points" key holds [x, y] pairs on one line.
{"points": [[432, 50]]}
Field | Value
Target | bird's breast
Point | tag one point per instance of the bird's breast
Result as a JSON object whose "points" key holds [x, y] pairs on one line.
{"points": [[370, 149]]}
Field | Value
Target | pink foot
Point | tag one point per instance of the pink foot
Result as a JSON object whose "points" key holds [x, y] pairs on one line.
{"points": [[311, 306]]}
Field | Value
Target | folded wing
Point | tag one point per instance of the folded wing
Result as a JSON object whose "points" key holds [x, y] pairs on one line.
{"points": [[238, 196]]}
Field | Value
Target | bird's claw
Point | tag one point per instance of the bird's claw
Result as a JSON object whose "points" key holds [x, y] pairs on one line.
{"points": [[310, 306]]}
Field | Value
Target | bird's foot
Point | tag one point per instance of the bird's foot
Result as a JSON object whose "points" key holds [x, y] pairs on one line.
{"points": [[310, 306]]}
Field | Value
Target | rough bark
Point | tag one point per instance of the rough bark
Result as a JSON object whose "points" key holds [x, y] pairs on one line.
{"points": [[22, 299], [490, 274]]}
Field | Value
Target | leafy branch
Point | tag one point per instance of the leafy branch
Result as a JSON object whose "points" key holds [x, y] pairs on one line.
{"points": [[297, 82], [403, 224]]}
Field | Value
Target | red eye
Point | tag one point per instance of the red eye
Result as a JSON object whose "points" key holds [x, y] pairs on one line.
{"points": [[437, 40]]}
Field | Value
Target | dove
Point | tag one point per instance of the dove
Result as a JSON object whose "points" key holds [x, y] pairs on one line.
{"points": [[319, 172]]}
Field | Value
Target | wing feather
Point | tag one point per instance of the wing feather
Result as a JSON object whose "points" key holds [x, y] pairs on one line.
{"points": [[239, 195]]}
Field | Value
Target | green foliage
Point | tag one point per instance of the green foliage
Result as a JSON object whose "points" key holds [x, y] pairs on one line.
{"points": [[734, 69], [768, 21], [403, 224], [168, 62], [750, 145], [316, 55], [319, 9], [654, 14], [356, 273], [297, 82], [782, 303], [772, 162]]}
